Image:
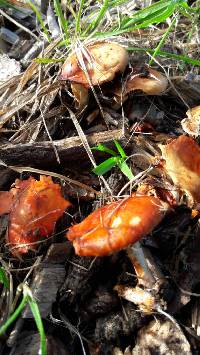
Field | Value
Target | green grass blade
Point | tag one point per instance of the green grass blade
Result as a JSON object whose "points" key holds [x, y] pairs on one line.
{"points": [[63, 21], [39, 17], [48, 60], [13, 316], [147, 12], [93, 25], [192, 10], [120, 150], [6, 4], [78, 18], [104, 167], [36, 313], [125, 169], [158, 17], [162, 41], [116, 32], [155, 18], [183, 58], [102, 148], [153, 14], [3, 278]]}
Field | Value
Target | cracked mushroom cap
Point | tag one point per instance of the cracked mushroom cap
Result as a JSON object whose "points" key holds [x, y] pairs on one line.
{"points": [[95, 64]]}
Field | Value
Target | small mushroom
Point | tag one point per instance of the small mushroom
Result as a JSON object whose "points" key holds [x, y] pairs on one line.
{"points": [[117, 225], [149, 81], [182, 163], [191, 124], [96, 64]]}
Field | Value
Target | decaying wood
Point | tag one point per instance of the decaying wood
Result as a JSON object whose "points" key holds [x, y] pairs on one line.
{"points": [[49, 276], [69, 150], [80, 279], [188, 87]]}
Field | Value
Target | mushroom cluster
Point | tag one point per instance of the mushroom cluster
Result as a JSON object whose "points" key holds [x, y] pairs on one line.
{"points": [[99, 63]]}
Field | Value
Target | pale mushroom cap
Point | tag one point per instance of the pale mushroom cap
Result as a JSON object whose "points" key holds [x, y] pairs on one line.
{"points": [[154, 84], [102, 61], [151, 82], [191, 124], [182, 157]]}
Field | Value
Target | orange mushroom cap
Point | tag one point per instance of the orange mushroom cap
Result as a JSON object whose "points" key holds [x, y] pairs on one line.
{"points": [[117, 225], [34, 208]]}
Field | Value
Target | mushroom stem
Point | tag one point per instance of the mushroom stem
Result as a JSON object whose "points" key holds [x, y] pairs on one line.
{"points": [[150, 280], [137, 256]]}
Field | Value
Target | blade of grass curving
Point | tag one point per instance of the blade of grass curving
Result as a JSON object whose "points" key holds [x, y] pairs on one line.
{"points": [[93, 25], [180, 57], [148, 12], [162, 41], [63, 21], [38, 320], [106, 166], [153, 14], [14, 315], [125, 169], [102, 148], [115, 160], [158, 18], [39, 17], [120, 150]]}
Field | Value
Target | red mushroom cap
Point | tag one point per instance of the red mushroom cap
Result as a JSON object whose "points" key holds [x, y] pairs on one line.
{"points": [[117, 225]]}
